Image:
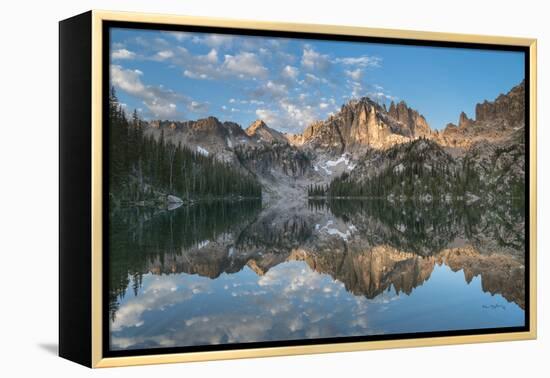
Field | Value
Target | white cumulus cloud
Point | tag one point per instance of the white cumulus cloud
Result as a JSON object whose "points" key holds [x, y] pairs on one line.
{"points": [[314, 61], [244, 63], [290, 72], [160, 101], [123, 54], [354, 74]]}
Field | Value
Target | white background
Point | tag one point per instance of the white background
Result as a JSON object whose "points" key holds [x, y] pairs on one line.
{"points": [[29, 174]]}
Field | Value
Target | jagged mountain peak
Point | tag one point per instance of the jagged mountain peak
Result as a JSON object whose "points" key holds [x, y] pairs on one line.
{"points": [[255, 126], [363, 123], [399, 104], [412, 120], [463, 120], [509, 106], [494, 120], [208, 123], [259, 130], [205, 127], [365, 100]]}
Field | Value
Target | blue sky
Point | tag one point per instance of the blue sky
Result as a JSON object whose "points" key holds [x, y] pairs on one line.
{"points": [[290, 83]]}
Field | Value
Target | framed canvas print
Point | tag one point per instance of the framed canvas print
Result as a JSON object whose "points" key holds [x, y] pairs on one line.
{"points": [[236, 189]]}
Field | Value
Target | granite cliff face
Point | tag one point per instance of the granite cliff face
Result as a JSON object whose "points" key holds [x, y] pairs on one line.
{"points": [[414, 122], [495, 121], [509, 108], [363, 124]]}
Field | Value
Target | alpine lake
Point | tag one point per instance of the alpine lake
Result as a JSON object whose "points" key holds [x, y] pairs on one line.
{"points": [[221, 272]]}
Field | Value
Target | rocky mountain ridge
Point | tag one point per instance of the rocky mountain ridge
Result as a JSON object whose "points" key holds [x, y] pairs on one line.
{"points": [[495, 121], [355, 140], [363, 123]]}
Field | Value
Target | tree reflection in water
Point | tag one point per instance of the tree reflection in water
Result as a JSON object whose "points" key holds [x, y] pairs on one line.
{"points": [[366, 246]]}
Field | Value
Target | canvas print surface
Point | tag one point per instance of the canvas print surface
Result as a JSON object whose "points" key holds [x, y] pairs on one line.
{"points": [[267, 189]]}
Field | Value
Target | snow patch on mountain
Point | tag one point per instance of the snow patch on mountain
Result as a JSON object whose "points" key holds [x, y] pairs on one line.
{"points": [[341, 159], [203, 151], [343, 162]]}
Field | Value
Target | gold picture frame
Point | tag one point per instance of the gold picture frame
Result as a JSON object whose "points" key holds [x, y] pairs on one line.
{"points": [[93, 26]]}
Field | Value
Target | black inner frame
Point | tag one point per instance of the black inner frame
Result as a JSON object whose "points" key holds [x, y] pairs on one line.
{"points": [[107, 25]]}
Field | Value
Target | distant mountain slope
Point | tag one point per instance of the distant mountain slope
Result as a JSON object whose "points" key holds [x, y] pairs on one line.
{"points": [[207, 136]]}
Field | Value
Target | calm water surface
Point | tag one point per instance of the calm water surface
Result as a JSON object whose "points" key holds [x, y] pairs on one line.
{"points": [[233, 272]]}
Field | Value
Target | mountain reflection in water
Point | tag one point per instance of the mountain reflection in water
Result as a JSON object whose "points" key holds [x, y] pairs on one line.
{"points": [[224, 272]]}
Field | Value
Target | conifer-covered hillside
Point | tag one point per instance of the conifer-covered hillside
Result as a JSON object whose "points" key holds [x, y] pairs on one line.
{"points": [[423, 169], [142, 168]]}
